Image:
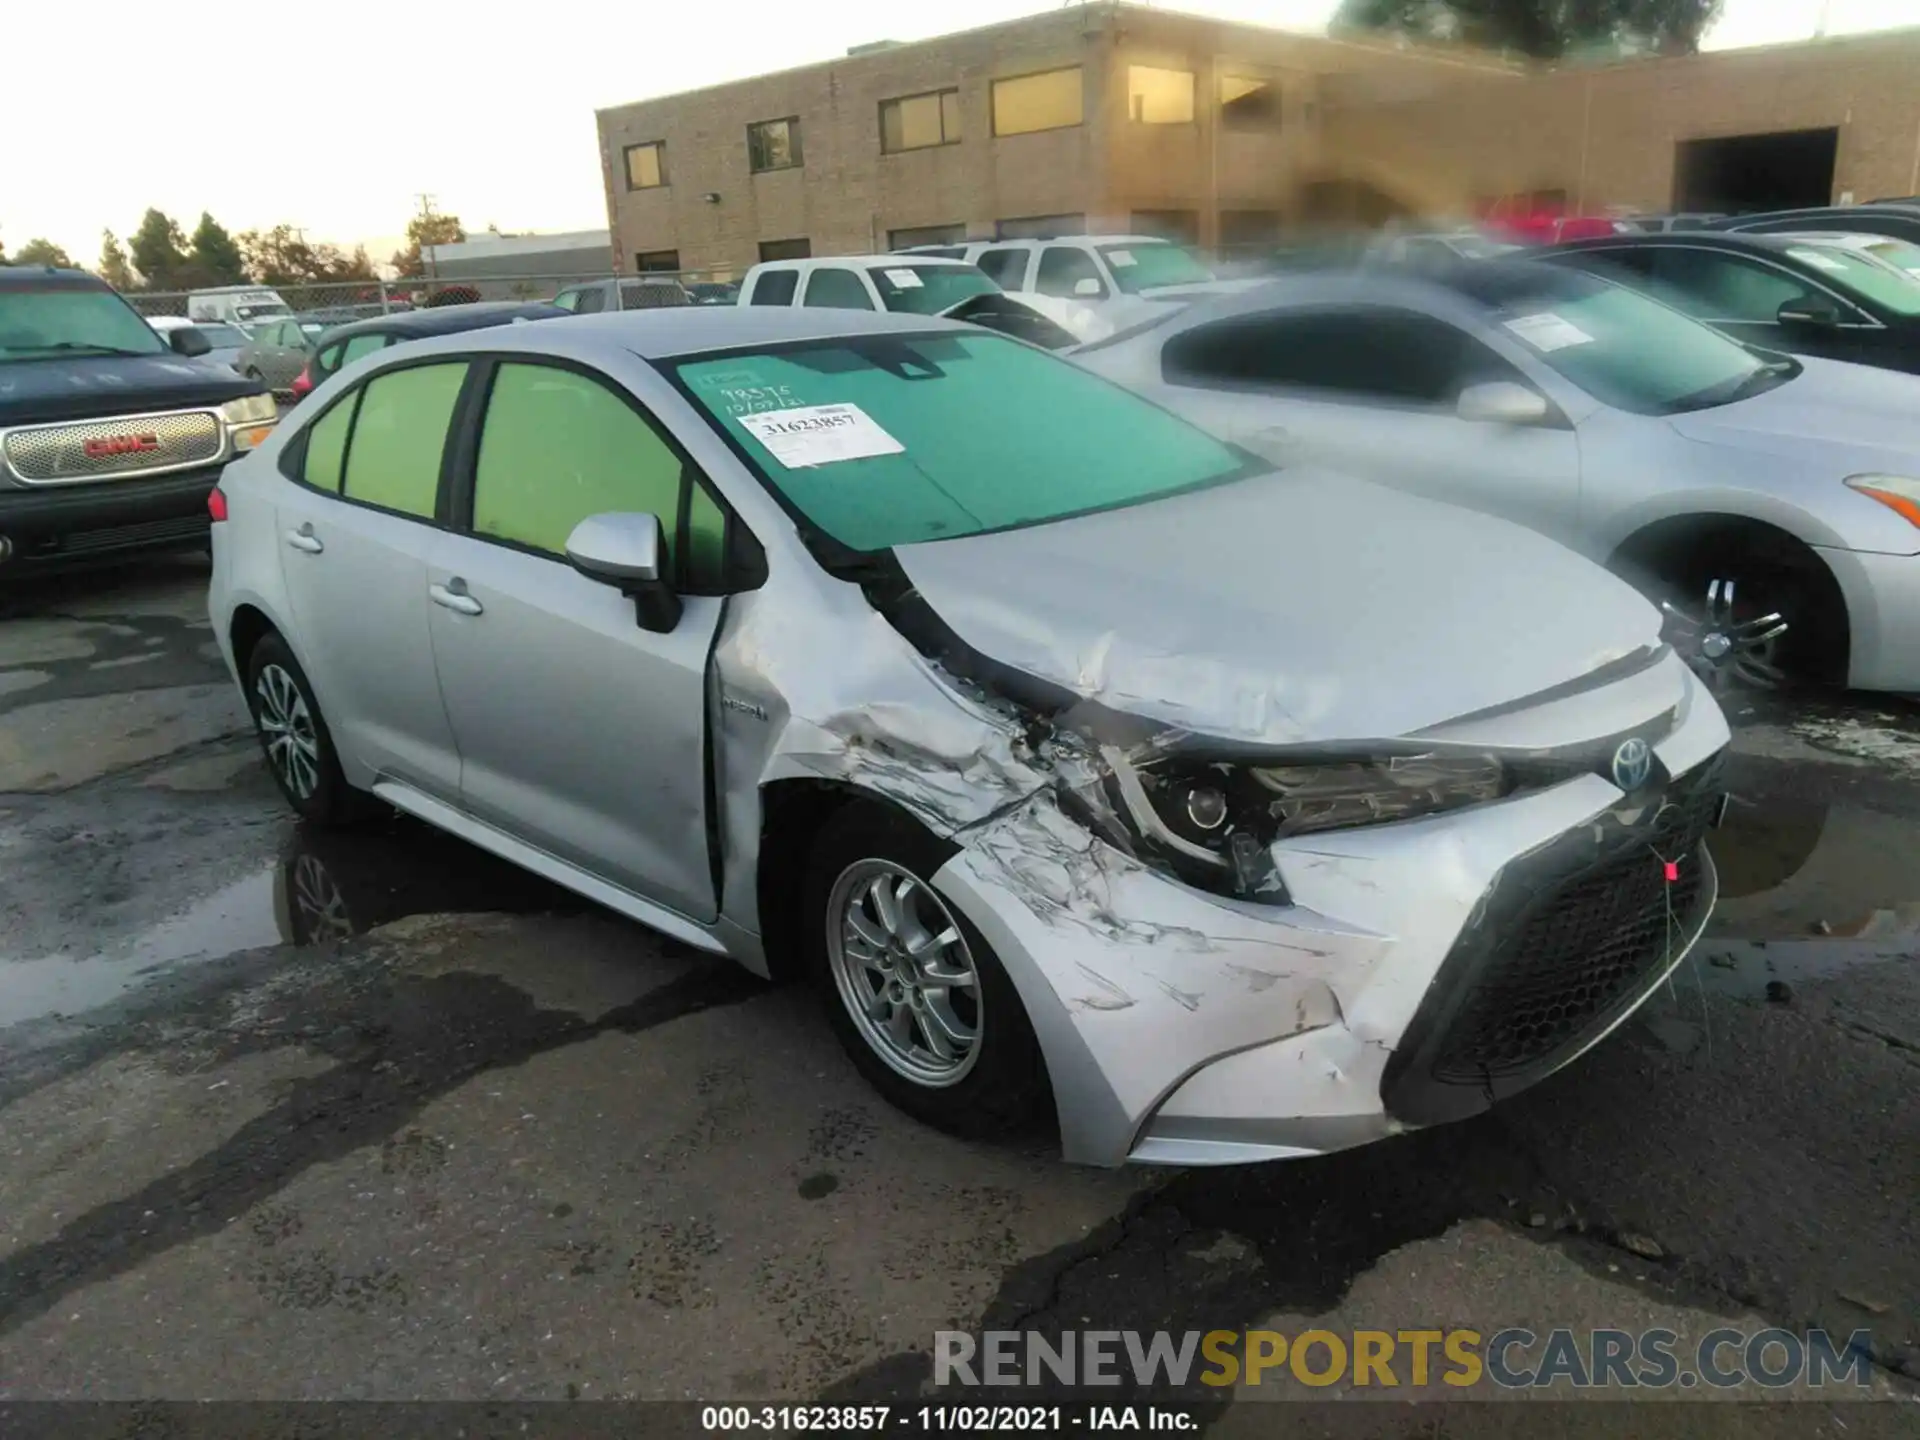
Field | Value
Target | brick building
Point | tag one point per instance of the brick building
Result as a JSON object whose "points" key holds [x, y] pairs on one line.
{"points": [[1109, 116]]}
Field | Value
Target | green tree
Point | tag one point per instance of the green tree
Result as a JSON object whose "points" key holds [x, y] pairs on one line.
{"points": [[426, 230], [113, 267], [42, 252], [215, 253], [1540, 29], [159, 251]]}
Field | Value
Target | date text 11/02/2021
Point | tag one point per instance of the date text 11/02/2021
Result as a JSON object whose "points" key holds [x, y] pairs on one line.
{"points": [[935, 1419]]}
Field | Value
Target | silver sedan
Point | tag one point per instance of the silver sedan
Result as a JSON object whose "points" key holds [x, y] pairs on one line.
{"points": [[1094, 771], [1771, 502]]}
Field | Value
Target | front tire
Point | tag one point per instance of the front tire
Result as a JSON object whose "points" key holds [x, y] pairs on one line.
{"points": [[294, 737], [914, 993]]}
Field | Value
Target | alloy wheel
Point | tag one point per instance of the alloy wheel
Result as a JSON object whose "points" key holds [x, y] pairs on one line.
{"points": [[1723, 649], [286, 725], [905, 972]]}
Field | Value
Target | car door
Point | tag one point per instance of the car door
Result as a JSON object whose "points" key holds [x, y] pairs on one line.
{"points": [[356, 527], [580, 732], [1372, 391], [285, 354]]}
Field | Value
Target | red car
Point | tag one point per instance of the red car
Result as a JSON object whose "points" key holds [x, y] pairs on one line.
{"points": [[1542, 227]]}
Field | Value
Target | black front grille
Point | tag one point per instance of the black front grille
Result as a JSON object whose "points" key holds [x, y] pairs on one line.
{"points": [[1589, 943], [181, 529]]}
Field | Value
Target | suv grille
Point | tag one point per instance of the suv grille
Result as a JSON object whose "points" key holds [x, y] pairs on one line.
{"points": [[1586, 948], [105, 449]]}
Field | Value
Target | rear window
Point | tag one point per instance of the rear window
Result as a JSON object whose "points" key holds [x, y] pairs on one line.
{"points": [[775, 287]]}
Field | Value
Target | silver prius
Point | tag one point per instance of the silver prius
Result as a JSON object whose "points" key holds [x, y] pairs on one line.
{"points": [[1091, 768]]}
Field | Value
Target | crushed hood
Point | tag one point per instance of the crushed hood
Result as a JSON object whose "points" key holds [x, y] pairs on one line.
{"points": [[1843, 418], [1295, 607]]}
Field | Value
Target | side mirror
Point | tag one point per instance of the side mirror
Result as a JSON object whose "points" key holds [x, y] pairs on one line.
{"points": [[1089, 288], [1808, 314], [1501, 402], [628, 552], [188, 341]]}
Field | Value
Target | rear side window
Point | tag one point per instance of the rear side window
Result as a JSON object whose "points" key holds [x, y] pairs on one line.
{"points": [[836, 289], [327, 446], [557, 447], [1007, 267], [775, 287], [589, 302], [1062, 268], [399, 437], [361, 345]]}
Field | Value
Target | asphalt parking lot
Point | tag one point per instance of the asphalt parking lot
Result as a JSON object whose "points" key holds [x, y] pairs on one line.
{"points": [[286, 1115]]}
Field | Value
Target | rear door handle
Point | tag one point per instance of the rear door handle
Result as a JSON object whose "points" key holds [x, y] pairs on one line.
{"points": [[305, 539], [453, 595]]}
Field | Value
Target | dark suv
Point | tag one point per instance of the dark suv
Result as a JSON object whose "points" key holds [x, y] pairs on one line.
{"points": [[110, 436]]}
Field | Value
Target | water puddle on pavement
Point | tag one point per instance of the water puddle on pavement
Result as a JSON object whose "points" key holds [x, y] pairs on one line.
{"points": [[1808, 890], [323, 887]]}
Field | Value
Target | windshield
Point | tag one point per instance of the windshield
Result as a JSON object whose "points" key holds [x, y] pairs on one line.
{"points": [[1616, 344], [1868, 279], [36, 322], [889, 440], [222, 337], [929, 289], [1143, 264], [1901, 254]]}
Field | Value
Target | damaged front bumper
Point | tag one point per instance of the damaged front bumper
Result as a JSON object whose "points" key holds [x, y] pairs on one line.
{"points": [[1422, 970]]}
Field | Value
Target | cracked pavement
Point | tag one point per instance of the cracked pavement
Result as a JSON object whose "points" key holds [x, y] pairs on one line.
{"points": [[291, 1116]]}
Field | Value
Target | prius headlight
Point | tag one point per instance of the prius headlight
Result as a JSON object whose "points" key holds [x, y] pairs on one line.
{"points": [[1212, 822]]}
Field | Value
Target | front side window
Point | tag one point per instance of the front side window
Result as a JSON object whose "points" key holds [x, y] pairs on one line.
{"points": [[774, 145], [557, 446], [1159, 97], [646, 165], [399, 437], [1138, 267], [775, 287], [929, 289], [915, 122], [1050, 100], [37, 321], [1724, 287], [568, 299], [591, 302], [837, 289], [1065, 269], [892, 440], [329, 359]]}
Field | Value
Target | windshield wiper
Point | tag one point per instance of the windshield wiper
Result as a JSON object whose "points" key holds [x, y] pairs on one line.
{"points": [[1756, 381], [78, 346]]}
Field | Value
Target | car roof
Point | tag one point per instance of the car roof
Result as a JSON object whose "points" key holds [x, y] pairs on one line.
{"points": [[1768, 244], [43, 277], [871, 262], [443, 319], [675, 331]]}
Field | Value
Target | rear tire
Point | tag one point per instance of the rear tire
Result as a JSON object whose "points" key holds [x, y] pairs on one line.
{"points": [[295, 740], [914, 993]]}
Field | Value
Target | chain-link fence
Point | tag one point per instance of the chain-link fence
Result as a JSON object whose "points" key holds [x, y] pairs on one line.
{"points": [[338, 303]]}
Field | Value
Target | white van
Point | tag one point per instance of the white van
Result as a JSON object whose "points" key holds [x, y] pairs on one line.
{"points": [[238, 305]]}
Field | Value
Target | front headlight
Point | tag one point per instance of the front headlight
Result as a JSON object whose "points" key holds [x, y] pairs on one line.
{"points": [[249, 419], [1899, 493], [1212, 822]]}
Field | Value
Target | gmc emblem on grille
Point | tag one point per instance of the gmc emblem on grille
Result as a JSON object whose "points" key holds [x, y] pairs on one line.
{"points": [[121, 445]]}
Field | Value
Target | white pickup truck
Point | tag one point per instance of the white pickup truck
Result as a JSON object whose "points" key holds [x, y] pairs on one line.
{"points": [[1091, 269], [919, 285]]}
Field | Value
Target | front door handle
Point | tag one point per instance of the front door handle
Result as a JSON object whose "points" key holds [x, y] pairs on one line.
{"points": [[305, 539], [453, 595]]}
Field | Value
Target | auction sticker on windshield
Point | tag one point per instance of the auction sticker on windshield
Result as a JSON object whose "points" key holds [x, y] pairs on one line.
{"points": [[1547, 332], [1121, 259], [820, 435], [905, 279]]}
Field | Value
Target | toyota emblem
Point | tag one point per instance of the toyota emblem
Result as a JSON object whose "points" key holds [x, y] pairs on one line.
{"points": [[1632, 763]]}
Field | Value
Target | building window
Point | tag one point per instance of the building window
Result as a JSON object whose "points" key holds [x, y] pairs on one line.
{"points": [[1050, 100], [1039, 227], [1249, 104], [1159, 97], [915, 122], [785, 249], [926, 235], [1182, 227], [774, 145], [658, 262], [647, 165]]}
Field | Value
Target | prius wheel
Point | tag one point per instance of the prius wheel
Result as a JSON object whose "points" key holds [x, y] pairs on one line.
{"points": [[294, 737], [915, 994]]}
